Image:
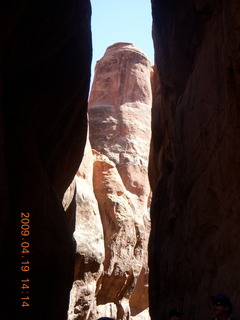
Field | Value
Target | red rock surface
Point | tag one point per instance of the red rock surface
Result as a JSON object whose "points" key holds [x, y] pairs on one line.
{"points": [[119, 114], [194, 163], [88, 234], [112, 225], [111, 272]]}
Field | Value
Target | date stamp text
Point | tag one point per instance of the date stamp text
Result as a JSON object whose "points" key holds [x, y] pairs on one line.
{"points": [[25, 263]]}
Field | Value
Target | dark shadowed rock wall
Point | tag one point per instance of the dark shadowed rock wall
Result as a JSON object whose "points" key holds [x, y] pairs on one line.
{"points": [[45, 69], [194, 164]]}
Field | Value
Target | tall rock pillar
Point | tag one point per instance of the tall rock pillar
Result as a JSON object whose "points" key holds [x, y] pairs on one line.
{"points": [[111, 274], [119, 114]]}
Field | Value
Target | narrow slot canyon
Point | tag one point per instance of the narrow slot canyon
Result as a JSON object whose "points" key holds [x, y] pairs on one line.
{"points": [[72, 195]]}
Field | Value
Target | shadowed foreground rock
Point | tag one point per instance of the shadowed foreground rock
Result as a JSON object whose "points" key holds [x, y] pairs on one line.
{"points": [[45, 63], [194, 161]]}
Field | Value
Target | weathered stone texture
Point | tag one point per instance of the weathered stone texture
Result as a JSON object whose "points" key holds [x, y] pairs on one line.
{"points": [[88, 235], [194, 162], [125, 234], [119, 114], [111, 277], [111, 238]]}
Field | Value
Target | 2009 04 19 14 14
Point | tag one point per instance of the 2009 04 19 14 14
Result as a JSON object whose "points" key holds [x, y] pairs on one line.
{"points": [[25, 264]]}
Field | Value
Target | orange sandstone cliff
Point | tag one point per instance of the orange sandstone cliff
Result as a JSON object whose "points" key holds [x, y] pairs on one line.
{"points": [[112, 191]]}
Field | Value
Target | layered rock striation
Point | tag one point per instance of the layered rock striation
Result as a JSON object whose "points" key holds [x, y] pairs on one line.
{"points": [[112, 192], [194, 161], [119, 114]]}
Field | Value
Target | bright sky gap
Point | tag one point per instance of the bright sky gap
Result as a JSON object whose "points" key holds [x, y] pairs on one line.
{"points": [[121, 21]]}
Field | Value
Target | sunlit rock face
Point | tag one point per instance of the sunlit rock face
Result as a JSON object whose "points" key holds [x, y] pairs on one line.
{"points": [[112, 212], [119, 114], [111, 272], [88, 234], [194, 162]]}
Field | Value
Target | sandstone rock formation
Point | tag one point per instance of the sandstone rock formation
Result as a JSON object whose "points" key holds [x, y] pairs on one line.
{"points": [[111, 273], [88, 234], [45, 73], [112, 192], [119, 114], [194, 162]]}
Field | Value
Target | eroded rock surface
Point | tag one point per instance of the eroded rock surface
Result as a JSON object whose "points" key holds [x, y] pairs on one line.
{"points": [[88, 235], [194, 163], [119, 114], [111, 272]]}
